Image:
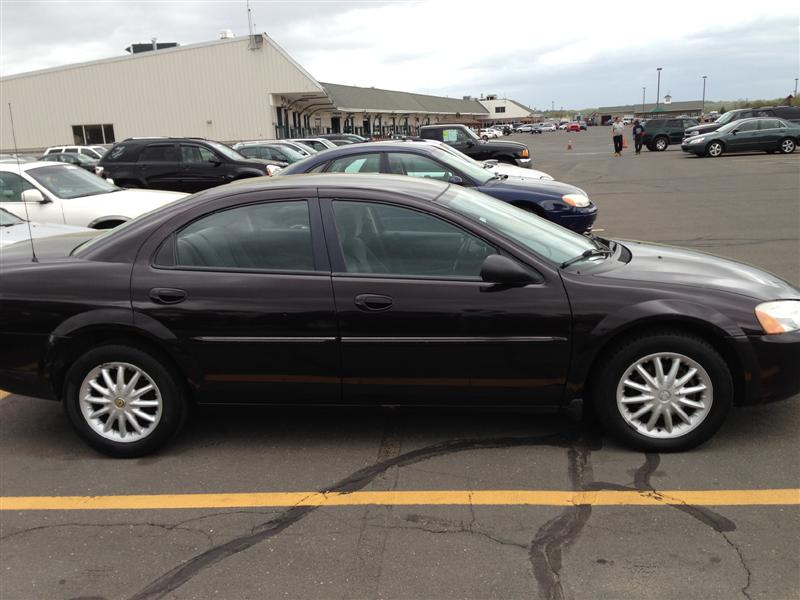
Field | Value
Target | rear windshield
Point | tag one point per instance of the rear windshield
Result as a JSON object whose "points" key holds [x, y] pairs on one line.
{"points": [[122, 153]]}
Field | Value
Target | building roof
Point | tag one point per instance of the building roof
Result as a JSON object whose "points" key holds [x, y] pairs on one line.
{"points": [[649, 107], [349, 98]]}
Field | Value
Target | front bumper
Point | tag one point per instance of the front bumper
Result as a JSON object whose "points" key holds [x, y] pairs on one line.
{"points": [[579, 222], [771, 365], [525, 163], [698, 149]]}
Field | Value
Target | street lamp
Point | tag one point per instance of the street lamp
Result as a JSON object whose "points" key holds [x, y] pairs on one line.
{"points": [[643, 91], [795, 87], [703, 105], [658, 89]]}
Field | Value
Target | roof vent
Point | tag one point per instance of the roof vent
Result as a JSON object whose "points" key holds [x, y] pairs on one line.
{"points": [[226, 34]]}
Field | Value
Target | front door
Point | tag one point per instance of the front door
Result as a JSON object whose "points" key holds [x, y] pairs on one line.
{"points": [[202, 168], [418, 325], [245, 292], [746, 137]]}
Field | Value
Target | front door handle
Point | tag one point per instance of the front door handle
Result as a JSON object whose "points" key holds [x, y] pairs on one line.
{"points": [[167, 295], [373, 302]]}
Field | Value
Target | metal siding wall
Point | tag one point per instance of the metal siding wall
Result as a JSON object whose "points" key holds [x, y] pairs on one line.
{"points": [[164, 93]]}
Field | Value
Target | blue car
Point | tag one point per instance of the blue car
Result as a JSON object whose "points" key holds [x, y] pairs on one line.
{"points": [[558, 202]]}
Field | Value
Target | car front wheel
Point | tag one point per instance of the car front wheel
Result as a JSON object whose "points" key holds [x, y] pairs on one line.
{"points": [[123, 401], [663, 392], [787, 146], [715, 149]]}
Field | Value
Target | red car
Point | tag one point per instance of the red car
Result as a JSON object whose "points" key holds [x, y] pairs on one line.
{"points": [[574, 126]]}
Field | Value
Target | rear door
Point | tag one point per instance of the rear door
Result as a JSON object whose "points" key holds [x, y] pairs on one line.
{"points": [[244, 291], [159, 166], [770, 133], [417, 324]]}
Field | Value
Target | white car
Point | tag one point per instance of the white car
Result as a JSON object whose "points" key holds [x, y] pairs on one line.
{"points": [[563, 126], [496, 167], [49, 192], [489, 133], [95, 152], [318, 144], [525, 129], [546, 127], [13, 229]]}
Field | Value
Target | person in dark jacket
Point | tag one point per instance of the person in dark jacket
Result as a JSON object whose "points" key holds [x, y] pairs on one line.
{"points": [[638, 136]]}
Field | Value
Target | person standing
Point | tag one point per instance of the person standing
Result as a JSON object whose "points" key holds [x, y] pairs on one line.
{"points": [[638, 136], [617, 130]]}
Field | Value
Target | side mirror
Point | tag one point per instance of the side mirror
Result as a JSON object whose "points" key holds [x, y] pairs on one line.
{"points": [[456, 180], [501, 269], [734, 131], [215, 162], [34, 196], [470, 143]]}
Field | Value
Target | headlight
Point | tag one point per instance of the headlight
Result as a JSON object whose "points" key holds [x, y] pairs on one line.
{"points": [[524, 153], [696, 140], [576, 200], [779, 316]]}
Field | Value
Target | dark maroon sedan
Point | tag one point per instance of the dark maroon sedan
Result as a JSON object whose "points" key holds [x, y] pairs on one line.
{"points": [[339, 289]]}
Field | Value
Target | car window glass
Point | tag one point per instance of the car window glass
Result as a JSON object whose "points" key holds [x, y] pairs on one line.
{"points": [[414, 165], [252, 152], [770, 124], [159, 153], [454, 135], [73, 149], [274, 236], [748, 126], [196, 154], [68, 181], [358, 163], [12, 186], [390, 240]]}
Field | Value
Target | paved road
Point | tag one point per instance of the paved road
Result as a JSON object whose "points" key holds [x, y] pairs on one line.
{"points": [[534, 546]]}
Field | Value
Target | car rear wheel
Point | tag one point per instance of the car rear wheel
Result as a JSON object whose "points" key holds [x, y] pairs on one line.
{"points": [[715, 149], [486, 138], [787, 146], [663, 392], [123, 401], [660, 143]]}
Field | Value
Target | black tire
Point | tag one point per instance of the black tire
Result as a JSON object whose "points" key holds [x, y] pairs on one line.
{"points": [[787, 146], [660, 143], [485, 138], [715, 149], [173, 399], [621, 358]]}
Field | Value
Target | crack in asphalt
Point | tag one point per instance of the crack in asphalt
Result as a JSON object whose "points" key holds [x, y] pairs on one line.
{"points": [[181, 574]]}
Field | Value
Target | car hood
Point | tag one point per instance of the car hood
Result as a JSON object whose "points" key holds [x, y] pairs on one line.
{"points": [[704, 128], [514, 147], [518, 172], [16, 233], [540, 187], [670, 265]]}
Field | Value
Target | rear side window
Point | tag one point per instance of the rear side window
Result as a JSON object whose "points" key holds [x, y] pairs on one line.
{"points": [[770, 124], [359, 163], [655, 123], [274, 236], [120, 152], [159, 153]]}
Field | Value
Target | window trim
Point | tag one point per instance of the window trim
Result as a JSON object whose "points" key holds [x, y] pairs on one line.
{"points": [[339, 267], [318, 250]]}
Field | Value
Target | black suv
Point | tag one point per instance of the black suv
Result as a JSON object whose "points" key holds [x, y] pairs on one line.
{"points": [[660, 133], [787, 113], [179, 164], [467, 141]]}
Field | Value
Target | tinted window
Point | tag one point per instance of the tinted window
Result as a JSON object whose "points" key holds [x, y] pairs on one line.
{"points": [[196, 154], [389, 240], [655, 123], [767, 112], [254, 152], [274, 237], [770, 124], [748, 126], [120, 152], [12, 186], [415, 165], [71, 149], [674, 123], [159, 153], [359, 163]]}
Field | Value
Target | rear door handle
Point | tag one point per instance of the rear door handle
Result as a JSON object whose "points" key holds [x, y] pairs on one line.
{"points": [[167, 295], [373, 302]]}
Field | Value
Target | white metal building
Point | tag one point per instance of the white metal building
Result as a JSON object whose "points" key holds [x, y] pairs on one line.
{"points": [[505, 110], [231, 89]]}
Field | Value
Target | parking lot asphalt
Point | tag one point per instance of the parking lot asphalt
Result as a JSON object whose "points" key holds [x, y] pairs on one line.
{"points": [[414, 503]]}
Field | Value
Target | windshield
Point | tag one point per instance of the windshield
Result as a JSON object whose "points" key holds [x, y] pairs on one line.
{"points": [[550, 241], [730, 126], [469, 167], [100, 150], [226, 151], [67, 181], [6, 218], [726, 118]]}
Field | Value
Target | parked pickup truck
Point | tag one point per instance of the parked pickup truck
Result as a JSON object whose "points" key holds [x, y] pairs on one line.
{"points": [[467, 141]]}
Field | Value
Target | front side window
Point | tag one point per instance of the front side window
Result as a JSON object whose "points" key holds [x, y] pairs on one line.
{"points": [[358, 163], [748, 126], [196, 154], [159, 153], [274, 236], [414, 165], [12, 186], [68, 181], [454, 135], [390, 240]]}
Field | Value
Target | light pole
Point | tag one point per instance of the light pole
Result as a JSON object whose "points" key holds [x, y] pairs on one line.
{"points": [[795, 87], [658, 89], [703, 105], [644, 89]]}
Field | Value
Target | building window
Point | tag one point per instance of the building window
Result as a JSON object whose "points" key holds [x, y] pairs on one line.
{"points": [[88, 135], [499, 109]]}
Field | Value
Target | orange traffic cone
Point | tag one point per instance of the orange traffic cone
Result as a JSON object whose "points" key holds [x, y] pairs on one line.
{"points": [[569, 144]]}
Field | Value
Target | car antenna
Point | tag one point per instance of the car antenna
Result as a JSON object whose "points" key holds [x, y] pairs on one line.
{"points": [[19, 171]]}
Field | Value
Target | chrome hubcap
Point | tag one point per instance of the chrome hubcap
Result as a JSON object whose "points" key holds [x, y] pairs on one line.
{"points": [[664, 395], [661, 144], [715, 150], [120, 402], [788, 146]]}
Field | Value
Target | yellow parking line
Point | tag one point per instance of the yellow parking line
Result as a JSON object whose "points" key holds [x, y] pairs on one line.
{"points": [[790, 496]]}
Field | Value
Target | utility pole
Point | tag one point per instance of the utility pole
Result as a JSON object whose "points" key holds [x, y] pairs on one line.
{"points": [[658, 89], [644, 89], [795, 87], [703, 105]]}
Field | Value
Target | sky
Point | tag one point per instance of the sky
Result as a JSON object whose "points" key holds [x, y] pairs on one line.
{"points": [[588, 54]]}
